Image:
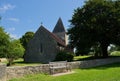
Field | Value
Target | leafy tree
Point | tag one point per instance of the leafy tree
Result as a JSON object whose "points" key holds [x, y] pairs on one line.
{"points": [[4, 42], [10, 49], [15, 51], [97, 23], [26, 38]]}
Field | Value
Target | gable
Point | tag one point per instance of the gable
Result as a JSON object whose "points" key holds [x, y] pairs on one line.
{"points": [[53, 36]]}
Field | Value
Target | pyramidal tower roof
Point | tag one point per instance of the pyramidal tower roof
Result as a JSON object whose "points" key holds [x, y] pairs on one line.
{"points": [[59, 27]]}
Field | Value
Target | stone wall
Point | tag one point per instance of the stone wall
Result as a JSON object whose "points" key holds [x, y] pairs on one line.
{"points": [[18, 71], [13, 72], [2, 72], [93, 63]]}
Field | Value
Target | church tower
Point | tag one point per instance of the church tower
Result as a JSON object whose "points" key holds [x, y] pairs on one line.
{"points": [[60, 31]]}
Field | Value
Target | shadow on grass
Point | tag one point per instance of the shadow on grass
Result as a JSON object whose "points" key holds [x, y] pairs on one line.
{"points": [[22, 63], [93, 58]]}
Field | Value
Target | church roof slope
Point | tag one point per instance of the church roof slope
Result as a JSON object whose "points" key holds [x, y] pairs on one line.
{"points": [[59, 27], [57, 39]]}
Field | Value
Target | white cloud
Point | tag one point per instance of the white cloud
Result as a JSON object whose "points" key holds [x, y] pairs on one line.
{"points": [[6, 7], [11, 29], [14, 36], [11, 33], [13, 19]]}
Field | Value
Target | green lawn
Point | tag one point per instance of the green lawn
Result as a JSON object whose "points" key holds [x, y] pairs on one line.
{"points": [[76, 58], [20, 62], [103, 73], [91, 57]]}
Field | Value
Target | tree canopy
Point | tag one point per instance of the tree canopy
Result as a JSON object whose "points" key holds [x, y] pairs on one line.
{"points": [[15, 51], [26, 38], [10, 48], [97, 23], [4, 42]]}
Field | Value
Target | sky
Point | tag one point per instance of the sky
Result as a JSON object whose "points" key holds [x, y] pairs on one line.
{"points": [[21, 16]]}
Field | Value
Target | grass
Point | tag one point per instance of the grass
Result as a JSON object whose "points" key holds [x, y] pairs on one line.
{"points": [[76, 58], [114, 54], [92, 58], [109, 72], [20, 62]]}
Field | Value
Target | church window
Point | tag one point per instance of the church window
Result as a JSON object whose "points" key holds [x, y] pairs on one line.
{"points": [[41, 48]]}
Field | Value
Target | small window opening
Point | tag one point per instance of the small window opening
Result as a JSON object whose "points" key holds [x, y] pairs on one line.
{"points": [[41, 48]]}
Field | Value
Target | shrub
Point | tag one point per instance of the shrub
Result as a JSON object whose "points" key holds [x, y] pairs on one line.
{"points": [[63, 55]]}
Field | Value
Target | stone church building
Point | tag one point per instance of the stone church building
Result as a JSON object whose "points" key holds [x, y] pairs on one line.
{"points": [[44, 45]]}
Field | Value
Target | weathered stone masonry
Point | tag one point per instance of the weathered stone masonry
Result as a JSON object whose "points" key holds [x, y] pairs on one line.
{"points": [[2, 72], [44, 45], [18, 71]]}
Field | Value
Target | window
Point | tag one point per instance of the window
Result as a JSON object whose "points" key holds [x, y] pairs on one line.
{"points": [[41, 48]]}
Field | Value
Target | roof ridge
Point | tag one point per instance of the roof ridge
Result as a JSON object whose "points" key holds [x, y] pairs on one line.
{"points": [[54, 36]]}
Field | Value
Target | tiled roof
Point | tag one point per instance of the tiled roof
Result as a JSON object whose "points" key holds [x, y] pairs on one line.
{"points": [[57, 39]]}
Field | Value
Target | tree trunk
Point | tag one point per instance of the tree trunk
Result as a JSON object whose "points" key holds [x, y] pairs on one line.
{"points": [[104, 51], [10, 61]]}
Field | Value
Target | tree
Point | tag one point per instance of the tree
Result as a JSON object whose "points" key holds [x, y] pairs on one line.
{"points": [[97, 23], [15, 51], [9, 48], [26, 38], [4, 42]]}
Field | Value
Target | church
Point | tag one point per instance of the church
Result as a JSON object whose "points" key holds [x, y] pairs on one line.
{"points": [[44, 45]]}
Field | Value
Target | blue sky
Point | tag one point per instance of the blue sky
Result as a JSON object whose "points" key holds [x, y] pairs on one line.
{"points": [[20, 16]]}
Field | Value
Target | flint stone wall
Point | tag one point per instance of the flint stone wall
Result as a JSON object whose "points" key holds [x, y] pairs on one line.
{"points": [[42, 48], [18, 71], [2, 72], [93, 63], [13, 72]]}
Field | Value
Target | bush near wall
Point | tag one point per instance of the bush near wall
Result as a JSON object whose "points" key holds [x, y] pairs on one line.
{"points": [[63, 55]]}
